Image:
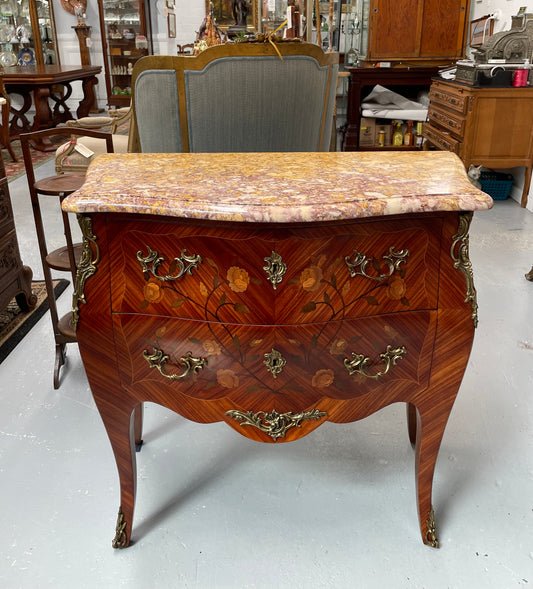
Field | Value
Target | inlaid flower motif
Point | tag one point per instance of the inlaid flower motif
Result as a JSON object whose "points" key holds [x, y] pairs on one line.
{"points": [[337, 347], [211, 347], [396, 288], [203, 290], [311, 277], [323, 378], [153, 292], [227, 378], [238, 279]]}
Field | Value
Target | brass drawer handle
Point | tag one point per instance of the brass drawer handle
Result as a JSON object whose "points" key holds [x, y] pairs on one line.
{"points": [[360, 362], [275, 424], [361, 263], [158, 359], [178, 267]]}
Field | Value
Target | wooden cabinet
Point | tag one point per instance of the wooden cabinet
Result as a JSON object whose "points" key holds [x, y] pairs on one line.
{"points": [[426, 30], [15, 278], [483, 126], [201, 292], [27, 33], [126, 37]]}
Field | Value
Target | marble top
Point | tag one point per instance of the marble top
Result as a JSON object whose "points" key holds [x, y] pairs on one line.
{"points": [[277, 187]]}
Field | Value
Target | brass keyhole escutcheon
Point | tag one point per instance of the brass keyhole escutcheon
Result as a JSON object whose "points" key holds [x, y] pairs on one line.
{"points": [[274, 362], [275, 269]]}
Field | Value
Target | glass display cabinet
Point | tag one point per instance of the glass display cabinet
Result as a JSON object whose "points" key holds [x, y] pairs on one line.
{"points": [[126, 37], [27, 33]]}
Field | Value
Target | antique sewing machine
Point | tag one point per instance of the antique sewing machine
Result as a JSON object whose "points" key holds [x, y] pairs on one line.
{"points": [[502, 53]]}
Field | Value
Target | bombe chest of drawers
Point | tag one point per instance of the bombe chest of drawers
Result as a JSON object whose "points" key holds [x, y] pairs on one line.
{"points": [[275, 292]]}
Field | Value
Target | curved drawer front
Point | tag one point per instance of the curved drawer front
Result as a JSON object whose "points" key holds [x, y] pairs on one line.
{"points": [[283, 277], [282, 368]]}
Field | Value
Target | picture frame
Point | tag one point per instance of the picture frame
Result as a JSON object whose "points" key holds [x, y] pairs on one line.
{"points": [[480, 30], [223, 14], [171, 20]]}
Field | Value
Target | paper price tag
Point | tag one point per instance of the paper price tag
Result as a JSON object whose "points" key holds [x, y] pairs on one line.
{"points": [[85, 151]]}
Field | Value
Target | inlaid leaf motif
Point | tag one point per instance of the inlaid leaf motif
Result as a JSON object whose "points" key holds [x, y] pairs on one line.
{"points": [[327, 298], [212, 263], [222, 299], [236, 342], [241, 308], [255, 281], [144, 304], [146, 275], [253, 358], [376, 265], [195, 340], [405, 301], [371, 300], [314, 341], [177, 303], [295, 387], [309, 307], [253, 388], [216, 281], [334, 280]]}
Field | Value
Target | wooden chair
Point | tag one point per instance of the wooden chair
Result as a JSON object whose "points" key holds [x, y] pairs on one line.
{"points": [[236, 97], [64, 258]]}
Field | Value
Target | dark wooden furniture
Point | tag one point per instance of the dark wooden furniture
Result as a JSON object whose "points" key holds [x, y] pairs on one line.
{"points": [[362, 79], [232, 287], [423, 31], [123, 26], [15, 278], [64, 258], [5, 107], [37, 87], [488, 126]]}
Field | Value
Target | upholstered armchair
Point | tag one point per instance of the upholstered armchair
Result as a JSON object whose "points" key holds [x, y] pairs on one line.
{"points": [[76, 154], [236, 97]]}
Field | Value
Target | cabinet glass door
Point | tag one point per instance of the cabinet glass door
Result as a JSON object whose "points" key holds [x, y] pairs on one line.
{"points": [[126, 39], [27, 33]]}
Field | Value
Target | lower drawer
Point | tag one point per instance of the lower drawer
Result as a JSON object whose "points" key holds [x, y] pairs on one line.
{"points": [[285, 368]]}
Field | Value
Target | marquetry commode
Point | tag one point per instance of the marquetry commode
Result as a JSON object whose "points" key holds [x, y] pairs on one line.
{"points": [[275, 292]]}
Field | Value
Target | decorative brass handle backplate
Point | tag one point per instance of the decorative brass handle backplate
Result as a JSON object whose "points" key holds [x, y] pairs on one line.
{"points": [[178, 267], [275, 424], [274, 362], [275, 269], [157, 359], [360, 264], [360, 363]]}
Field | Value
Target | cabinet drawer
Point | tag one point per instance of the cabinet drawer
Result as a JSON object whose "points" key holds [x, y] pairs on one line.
{"points": [[447, 121], [441, 140], [330, 273], [456, 102], [279, 367]]}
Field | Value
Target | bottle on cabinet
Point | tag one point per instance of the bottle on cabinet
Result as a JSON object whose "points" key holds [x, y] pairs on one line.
{"points": [[397, 136], [409, 138]]}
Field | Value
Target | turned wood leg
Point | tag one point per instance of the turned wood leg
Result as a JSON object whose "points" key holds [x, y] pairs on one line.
{"points": [[138, 426], [430, 426], [411, 422]]}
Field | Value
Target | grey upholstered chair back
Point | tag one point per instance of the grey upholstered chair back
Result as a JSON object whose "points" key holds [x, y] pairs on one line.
{"points": [[237, 103]]}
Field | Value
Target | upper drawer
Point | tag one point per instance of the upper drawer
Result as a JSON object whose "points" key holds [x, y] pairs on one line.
{"points": [[447, 121], [455, 101], [285, 276]]}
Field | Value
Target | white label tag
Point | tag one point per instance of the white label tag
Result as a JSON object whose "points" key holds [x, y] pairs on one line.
{"points": [[88, 42], [289, 17], [85, 151], [271, 5]]}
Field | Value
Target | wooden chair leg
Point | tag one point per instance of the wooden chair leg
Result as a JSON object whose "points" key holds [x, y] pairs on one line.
{"points": [[411, 422], [138, 426]]}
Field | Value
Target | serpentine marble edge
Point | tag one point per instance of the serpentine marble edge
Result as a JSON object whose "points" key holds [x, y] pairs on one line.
{"points": [[277, 187]]}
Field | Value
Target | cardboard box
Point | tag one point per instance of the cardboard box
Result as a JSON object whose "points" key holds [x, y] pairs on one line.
{"points": [[367, 131]]}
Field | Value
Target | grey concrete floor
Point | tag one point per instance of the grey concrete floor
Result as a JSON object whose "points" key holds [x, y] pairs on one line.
{"points": [[335, 509]]}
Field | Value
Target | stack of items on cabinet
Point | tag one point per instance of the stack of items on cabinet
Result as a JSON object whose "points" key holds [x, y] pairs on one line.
{"points": [[388, 119]]}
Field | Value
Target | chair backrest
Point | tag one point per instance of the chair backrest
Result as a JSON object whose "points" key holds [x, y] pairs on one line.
{"points": [[236, 97]]}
